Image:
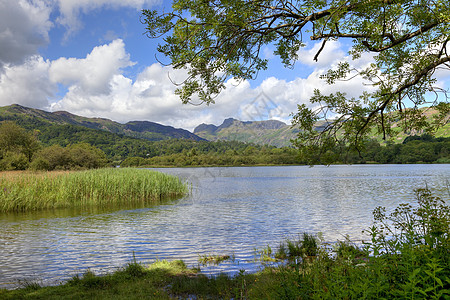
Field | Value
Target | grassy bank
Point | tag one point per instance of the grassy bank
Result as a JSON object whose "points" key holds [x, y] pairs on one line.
{"points": [[413, 263], [23, 191]]}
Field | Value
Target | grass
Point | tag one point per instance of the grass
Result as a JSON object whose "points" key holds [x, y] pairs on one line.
{"points": [[413, 263], [24, 191]]}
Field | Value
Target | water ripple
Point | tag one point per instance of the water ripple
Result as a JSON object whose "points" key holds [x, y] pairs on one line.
{"points": [[232, 211]]}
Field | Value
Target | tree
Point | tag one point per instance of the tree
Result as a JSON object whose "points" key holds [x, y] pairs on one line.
{"points": [[15, 139], [85, 156], [76, 156], [217, 40]]}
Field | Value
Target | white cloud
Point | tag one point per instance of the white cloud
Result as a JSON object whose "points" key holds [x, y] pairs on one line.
{"points": [[24, 27], [331, 53], [27, 84], [70, 10], [151, 97], [92, 75], [98, 87]]}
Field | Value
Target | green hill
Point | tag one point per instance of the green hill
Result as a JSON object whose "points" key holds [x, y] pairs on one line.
{"points": [[118, 141], [270, 132], [279, 134], [31, 118]]}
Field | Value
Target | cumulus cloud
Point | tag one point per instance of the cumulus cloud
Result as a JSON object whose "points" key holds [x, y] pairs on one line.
{"points": [[280, 97], [151, 97], [24, 27], [92, 75], [98, 87], [27, 84]]}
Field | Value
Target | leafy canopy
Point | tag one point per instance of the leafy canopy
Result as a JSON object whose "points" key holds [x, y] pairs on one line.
{"points": [[217, 40]]}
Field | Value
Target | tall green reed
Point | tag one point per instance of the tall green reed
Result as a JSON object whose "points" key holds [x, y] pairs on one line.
{"points": [[23, 191]]}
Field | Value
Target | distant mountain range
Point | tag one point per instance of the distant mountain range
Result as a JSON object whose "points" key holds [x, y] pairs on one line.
{"points": [[270, 132], [31, 118], [53, 127], [279, 134]]}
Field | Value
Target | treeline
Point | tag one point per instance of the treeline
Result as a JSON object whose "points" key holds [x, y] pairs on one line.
{"points": [[20, 150], [181, 151], [64, 147], [414, 149], [218, 153], [74, 147]]}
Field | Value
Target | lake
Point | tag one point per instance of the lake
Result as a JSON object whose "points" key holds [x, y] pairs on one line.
{"points": [[230, 211]]}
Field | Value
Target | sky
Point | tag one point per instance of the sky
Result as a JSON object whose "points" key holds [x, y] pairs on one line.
{"points": [[92, 58]]}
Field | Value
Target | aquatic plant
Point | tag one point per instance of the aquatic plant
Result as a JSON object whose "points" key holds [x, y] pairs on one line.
{"points": [[215, 259], [23, 191], [305, 246]]}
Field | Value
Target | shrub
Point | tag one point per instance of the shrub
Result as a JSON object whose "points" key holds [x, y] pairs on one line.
{"points": [[307, 245], [77, 156], [426, 225], [40, 164], [13, 161]]}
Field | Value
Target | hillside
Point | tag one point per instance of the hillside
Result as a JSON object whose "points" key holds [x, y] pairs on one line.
{"points": [[270, 132], [31, 118], [279, 134]]}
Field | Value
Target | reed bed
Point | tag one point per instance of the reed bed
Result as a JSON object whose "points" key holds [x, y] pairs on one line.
{"points": [[25, 191]]}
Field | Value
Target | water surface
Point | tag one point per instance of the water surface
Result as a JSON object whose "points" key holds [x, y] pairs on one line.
{"points": [[230, 211]]}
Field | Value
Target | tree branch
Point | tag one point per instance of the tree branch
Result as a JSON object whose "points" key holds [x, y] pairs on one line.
{"points": [[393, 42]]}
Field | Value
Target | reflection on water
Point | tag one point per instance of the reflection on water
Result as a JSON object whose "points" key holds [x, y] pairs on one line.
{"points": [[230, 211]]}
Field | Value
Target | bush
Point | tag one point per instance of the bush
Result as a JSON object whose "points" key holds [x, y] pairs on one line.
{"points": [[77, 156], [307, 245], [13, 161], [133, 162], [40, 164]]}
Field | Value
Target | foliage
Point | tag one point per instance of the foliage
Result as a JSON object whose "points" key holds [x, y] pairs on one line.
{"points": [[244, 155], [408, 41], [26, 191], [407, 257], [17, 146], [13, 161], [69, 153], [414, 149], [181, 153], [77, 156], [427, 225], [305, 246], [348, 250]]}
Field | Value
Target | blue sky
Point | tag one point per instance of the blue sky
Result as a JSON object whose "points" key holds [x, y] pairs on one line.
{"points": [[91, 58]]}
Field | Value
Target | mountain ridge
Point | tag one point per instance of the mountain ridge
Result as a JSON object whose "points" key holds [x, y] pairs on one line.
{"points": [[30, 117], [266, 132], [270, 132], [279, 134]]}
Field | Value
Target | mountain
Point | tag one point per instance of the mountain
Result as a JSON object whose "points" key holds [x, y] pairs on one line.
{"points": [[31, 118], [270, 132], [279, 134]]}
